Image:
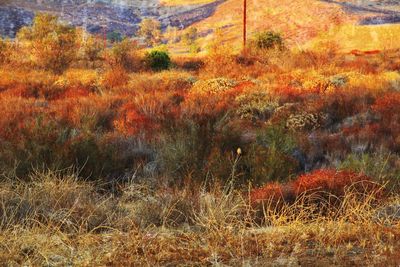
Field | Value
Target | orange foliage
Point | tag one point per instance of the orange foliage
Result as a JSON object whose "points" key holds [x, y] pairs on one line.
{"points": [[320, 182], [329, 181], [270, 192], [388, 106]]}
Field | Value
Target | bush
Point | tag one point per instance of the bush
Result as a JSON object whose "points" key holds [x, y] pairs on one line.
{"points": [[53, 45], [322, 185], [92, 50], [158, 60], [269, 40], [115, 78], [256, 105], [150, 31], [124, 54], [270, 158], [331, 182]]}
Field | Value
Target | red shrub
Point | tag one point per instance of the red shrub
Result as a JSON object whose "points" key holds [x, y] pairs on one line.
{"points": [[388, 106], [329, 181], [325, 181], [273, 192]]}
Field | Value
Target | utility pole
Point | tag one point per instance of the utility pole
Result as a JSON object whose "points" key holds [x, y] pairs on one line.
{"points": [[244, 24]]}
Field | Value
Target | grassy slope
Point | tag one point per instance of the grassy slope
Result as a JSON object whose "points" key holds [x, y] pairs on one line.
{"points": [[356, 37], [303, 23], [296, 20]]}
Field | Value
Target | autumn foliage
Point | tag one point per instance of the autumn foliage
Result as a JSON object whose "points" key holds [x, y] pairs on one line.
{"points": [[323, 183]]}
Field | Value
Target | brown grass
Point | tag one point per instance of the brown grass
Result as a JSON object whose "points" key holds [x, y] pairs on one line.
{"points": [[59, 221]]}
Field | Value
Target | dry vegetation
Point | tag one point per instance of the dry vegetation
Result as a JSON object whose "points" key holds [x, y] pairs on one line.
{"points": [[274, 157]]}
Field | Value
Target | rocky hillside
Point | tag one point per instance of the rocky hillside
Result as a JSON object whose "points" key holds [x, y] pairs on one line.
{"points": [[298, 20], [95, 15]]}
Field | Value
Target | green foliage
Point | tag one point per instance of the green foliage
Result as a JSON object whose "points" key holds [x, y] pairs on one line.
{"points": [[269, 40], [150, 31], [158, 60], [269, 159], [114, 37], [53, 45], [278, 137], [256, 106], [380, 165]]}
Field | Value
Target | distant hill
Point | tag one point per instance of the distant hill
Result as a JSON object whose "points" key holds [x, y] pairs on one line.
{"points": [[299, 21], [122, 16]]}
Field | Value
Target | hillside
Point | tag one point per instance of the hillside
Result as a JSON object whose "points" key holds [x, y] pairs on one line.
{"points": [[304, 22], [97, 16], [114, 154]]}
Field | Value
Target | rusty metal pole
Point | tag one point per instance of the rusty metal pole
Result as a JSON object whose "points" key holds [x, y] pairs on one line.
{"points": [[244, 24]]}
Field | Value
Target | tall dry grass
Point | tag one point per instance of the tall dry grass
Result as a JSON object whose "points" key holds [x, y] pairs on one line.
{"points": [[58, 221]]}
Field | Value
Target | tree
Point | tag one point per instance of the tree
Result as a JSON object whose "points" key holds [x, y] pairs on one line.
{"points": [[123, 55], [171, 34], [190, 36], [92, 49], [150, 31], [53, 45]]}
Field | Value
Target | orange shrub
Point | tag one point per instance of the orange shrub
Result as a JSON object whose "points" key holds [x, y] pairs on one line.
{"points": [[388, 106], [323, 183], [273, 192], [115, 77], [329, 181]]}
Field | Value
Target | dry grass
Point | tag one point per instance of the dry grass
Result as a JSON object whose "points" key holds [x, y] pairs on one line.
{"points": [[220, 228]]}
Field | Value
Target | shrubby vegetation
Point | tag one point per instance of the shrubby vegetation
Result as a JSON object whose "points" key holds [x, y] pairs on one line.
{"points": [[105, 150]]}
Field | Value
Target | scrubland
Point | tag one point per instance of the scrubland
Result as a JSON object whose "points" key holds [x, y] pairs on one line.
{"points": [[270, 157]]}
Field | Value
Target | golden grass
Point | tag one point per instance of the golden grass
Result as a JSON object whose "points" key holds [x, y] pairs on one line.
{"points": [[361, 37], [222, 229], [309, 19]]}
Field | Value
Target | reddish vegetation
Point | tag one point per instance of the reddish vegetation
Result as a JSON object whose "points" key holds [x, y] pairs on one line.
{"points": [[324, 181], [329, 181], [362, 53]]}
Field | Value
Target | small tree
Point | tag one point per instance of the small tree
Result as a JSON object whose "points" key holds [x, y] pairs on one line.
{"points": [[92, 49], [171, 35], [158, 60], [190, 36], [53, 45], [123, 55], [150, 31], [269, 40]]}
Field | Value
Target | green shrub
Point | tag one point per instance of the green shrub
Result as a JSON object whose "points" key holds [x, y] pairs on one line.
{"points": [[158, 60], [269, 159], [256, 106], [379, 165], [269, 40]]}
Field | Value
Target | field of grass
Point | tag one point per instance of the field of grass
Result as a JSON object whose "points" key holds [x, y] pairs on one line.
{"points": [[365, 38], [124, 156], [309, 19]]}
